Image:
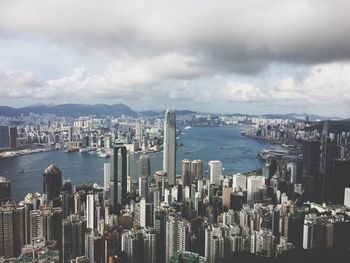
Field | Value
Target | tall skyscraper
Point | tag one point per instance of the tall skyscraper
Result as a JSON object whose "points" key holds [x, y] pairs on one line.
{"points": [[186, 172], [215, 171], [144, 175], [13, 137], [52, 182], [72, 238], [94, 246], [197, 169], [169, 148], [12, 230], [106, 175], [4, 137], [90, 210], [122, 149]]}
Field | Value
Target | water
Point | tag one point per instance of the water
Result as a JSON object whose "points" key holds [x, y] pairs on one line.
{"points": [[237, 153]]}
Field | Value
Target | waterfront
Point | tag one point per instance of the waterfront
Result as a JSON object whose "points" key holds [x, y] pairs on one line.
{"points": [[225, 143]]}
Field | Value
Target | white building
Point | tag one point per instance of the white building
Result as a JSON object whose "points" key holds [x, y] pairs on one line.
{"points": [[347, 197], [215, 171], [239, 181], [254, 183]]}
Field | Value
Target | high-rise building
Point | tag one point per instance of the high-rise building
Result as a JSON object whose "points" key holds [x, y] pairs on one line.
{"points": [[52, 182], [215, 171], [70, 134], [4, 137], [253, 184], [139, 131], [186, 172], [94, 247], [106, 175], [169, 148], [347, 197], [72, 238], [90, 210], [144, 176], [310, 173], [177, 235], [13, 137], [5, 190], [122, 149], [197, 169], [339, 180], [239, 181], [46, 222], [12, 234]]}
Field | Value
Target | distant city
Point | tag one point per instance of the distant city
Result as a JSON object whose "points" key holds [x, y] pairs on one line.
{"points": [[296, 204]]}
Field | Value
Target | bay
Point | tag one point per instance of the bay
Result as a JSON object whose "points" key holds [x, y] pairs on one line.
{"points": [[224, 143]]}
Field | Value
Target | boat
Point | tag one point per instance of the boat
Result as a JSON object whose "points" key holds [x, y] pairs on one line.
{"points": [[187, 127], [103, 155], [70, 150], [85, 150]]}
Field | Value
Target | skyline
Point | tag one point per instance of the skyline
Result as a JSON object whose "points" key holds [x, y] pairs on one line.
{"points": [[252, 57]]}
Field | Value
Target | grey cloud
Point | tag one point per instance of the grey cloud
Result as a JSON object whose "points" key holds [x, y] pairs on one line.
{"points": [[225, 37]]}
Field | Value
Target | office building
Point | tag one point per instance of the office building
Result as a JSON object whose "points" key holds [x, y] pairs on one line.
{"points": [[52, 182], [197, 169], [186, 172], [215, 171], [107, 170], [144, 176], [4, 138], [90, 210], [169, 146], [5, 190], [13, 137], [239, 182], [254, 184], [123, 179]]}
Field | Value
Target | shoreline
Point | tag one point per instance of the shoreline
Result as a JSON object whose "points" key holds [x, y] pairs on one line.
{"points": [[9, 154]]}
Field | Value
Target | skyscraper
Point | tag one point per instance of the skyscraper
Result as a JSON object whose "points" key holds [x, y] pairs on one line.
{"points": [[90, 210], [4, 137], [123, 152], [5, 189], [106, 175], [13, 137], [215, 171], [197, 169], [12, 230], [186, 172], [169, 151], [144, 175], [52, 182]]}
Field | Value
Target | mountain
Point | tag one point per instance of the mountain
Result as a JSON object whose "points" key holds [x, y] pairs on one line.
{"points": [[73, 110], [298, 116]]}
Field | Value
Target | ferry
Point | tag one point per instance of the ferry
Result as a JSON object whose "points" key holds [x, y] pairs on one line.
{"points": [[85, 150]]}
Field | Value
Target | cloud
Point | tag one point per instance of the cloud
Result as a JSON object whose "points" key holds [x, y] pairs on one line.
{"points": [[324, 84], [227, 37]]}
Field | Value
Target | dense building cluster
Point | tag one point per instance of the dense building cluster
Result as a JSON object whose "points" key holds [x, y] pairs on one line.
{"points": [[296, 201]]}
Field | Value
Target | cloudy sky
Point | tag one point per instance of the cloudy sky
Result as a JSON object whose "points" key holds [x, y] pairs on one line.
{"points": [[252, 56]]}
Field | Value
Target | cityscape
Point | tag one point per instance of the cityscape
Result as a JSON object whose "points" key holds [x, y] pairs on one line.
{"points": [[159, 131], [296, 200]]}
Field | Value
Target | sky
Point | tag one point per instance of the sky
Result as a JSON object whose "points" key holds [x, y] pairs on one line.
{"points": [[227, 56]]}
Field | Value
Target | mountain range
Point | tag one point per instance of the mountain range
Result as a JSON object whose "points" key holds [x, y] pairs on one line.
{"points": [[76, 110]]}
